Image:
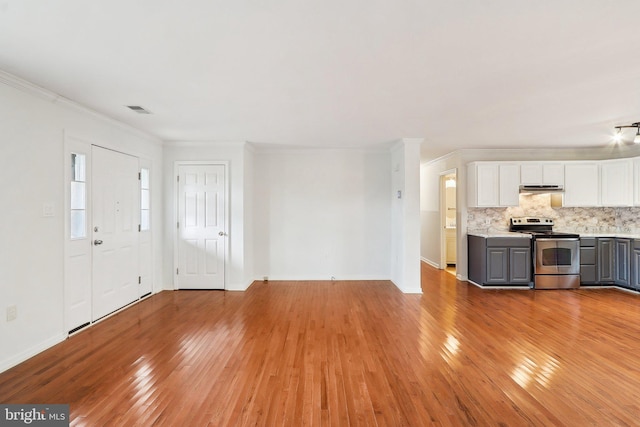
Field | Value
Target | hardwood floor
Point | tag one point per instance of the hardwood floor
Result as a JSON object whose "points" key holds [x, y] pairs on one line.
{"points": [[349, 353]]}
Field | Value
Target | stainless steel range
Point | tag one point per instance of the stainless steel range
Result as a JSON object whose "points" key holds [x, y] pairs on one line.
{"points": [[556, 255]]}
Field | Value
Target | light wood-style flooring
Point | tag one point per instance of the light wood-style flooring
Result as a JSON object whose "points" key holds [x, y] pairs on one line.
{"points": [[349, 353]]}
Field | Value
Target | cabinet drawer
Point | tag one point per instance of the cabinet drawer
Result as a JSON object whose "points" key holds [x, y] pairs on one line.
{"points": [[636, 244], [508, 242], [587, 241], [587, 256]]}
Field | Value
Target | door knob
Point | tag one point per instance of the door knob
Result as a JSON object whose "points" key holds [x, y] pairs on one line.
{"points": [[97, 242], [221, 233]]}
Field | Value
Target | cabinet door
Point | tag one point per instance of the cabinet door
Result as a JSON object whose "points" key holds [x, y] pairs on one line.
{"points": [[531, 173], [605, 260], [581, 184], [616, 178], [622, 265], [509, 188], [482, 185], [636, 181], [635, 269], [497, 266], [520, 265], [553, 173], [488, 184], [542, 173]]}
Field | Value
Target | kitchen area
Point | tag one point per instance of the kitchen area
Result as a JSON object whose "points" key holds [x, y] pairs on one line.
{"points": [[554, 224]]}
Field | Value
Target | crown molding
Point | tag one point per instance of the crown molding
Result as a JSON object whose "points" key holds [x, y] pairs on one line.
{"points": [[212, 143], [45, 94]]}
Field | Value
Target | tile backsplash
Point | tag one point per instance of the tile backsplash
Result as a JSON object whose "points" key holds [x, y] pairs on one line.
{"points": [[585, 220]]}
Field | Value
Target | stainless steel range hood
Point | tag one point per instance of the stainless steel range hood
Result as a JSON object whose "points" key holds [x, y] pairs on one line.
{"points": [[541, 189]]}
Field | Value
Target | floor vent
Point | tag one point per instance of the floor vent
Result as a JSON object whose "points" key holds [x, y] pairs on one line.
{"points": [[74, 330]]}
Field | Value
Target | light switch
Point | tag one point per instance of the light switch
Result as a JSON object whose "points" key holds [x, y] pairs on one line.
{"points": [[48, 209]]}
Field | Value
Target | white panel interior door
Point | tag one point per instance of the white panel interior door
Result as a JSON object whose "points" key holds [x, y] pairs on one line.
{"points": [[116, 213], [201, 227]]}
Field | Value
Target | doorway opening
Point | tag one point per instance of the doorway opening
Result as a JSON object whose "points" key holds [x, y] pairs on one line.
{"points": [[448, 221]]}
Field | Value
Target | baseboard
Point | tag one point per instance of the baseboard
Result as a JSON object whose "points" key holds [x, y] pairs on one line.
{"points": [[29, 353], [323, 278], [237, 287], [431, 263], [412, 291]]}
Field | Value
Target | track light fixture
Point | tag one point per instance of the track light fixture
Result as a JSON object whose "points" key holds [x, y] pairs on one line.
{"points": [[618, 135]]}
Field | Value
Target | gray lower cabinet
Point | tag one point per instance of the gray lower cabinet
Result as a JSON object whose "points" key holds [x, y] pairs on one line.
{"points": [[520, 265], [588, 275], [610, 260], [499, 261], [635, 264], [622, 270], [606, 256], [497, 266]]}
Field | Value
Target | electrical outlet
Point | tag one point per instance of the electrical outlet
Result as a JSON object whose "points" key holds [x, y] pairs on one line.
{"points": [[12, 313]]}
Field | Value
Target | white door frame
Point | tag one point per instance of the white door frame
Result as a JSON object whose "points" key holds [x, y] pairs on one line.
{"points": [[176, 167], [443, 215]]}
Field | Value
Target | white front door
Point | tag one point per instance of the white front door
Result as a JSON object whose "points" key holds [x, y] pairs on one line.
{"points": [[116, 213], [201, 227]]}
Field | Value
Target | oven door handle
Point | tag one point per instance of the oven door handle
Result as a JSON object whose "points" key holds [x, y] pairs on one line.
{"points": [[555, 239]]}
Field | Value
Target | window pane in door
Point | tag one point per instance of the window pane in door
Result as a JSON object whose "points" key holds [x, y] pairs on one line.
{"points": [[144, 220], [78, 200], [144, 199], [145, 202], [78, 196], [144, 178], [78, 224], [78, 167]]}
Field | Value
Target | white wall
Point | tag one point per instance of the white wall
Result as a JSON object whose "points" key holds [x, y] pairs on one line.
{"points": [[322, 214], [239, 271], [405, 215], [33, 123]]}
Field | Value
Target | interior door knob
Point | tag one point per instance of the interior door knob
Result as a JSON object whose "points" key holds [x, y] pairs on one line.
{"points": [[97, 242], [221, 233]]}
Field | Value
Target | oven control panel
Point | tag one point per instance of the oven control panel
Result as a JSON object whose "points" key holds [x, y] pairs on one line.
{"points": [[528, 220]]}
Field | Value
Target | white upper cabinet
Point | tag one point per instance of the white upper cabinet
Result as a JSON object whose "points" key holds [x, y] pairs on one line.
{"points": [[636, 181], [509, 187], [606, 183], [547, 173], [616, 182], [482, 184], [581, 184], [492, 184]]}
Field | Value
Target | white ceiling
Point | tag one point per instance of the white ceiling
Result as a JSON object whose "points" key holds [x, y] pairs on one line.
{"points": [[329, 73]]}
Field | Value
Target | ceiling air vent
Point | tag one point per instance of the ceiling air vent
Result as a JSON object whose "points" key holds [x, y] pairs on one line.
{"points": [[138, 109]]}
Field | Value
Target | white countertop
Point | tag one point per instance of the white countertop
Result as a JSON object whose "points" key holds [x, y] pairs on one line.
{"points": [[487, 232], [612, 234]]}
